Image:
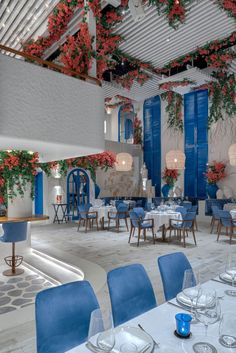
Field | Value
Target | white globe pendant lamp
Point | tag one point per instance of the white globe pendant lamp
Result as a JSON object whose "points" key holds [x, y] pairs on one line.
{"points": [[124, 162], [232, 155], [175, 159]]}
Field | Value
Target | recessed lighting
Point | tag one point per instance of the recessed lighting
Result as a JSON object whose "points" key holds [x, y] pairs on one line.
{"points": [[3, 25], [35, 18], [28, 29], [168, 39], [8, 10], [123, 12], [46, 5]]}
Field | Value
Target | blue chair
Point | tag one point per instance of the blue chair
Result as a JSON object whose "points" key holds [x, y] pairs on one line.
{"points": [[131, 292], [13, 233], [181, 210], [87, 217], [215, 217], [172, 268], [142, 225], [227, 222], [121, 213], [139, 212], [183, 227], [187, 205], [63, 316], [118, 202]]}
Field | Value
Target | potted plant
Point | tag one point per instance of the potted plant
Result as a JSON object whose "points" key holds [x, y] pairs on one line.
{"points": [[215, 172], [170, 177]]}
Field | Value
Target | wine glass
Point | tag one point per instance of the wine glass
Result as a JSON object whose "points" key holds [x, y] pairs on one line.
{"points": [[208, 313], [230, 269], [227, 330], [101, 330], [191, 289]]}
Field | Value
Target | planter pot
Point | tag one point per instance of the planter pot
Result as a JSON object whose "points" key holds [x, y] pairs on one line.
{"points": [[165, 190], [212, 190], [21, 206]]}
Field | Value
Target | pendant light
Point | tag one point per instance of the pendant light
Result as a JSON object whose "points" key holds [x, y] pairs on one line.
{"points": [[175, 159], [124, 162], [232, 155]]}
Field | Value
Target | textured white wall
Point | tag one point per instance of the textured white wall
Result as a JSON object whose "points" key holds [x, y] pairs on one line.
{"points": [[45, 111]]}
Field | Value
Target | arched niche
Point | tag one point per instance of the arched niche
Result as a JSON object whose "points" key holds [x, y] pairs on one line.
{"points": [[125, 123]]}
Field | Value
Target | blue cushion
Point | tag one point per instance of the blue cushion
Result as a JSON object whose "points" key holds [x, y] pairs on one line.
{"points": [[145, 225], [131, 292], [172, 268], [63, 316], [14, 232]]}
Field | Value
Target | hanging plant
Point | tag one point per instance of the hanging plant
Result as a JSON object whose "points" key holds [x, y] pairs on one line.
{"points": [[220, 59], [172, 84], [17, 169], [174, 110], [128, 80], [170, 176], [138, 131], [229, 6]]}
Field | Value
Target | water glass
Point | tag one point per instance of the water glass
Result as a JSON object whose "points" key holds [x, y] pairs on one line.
{"points": [[191, 289], [228, 330], [101, 330], [230, 269]]}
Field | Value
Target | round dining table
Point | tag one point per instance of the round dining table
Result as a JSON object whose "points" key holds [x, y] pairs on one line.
{"points": [[162, 219], [103, 213]]}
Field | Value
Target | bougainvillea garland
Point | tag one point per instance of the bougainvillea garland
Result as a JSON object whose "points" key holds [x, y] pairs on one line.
{"points": [[229, 6], [172, 84], [138, 131], [174, 110]]}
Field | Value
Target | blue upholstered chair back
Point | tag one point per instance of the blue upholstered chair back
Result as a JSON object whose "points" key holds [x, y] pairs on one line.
{"points": [[122, 208], [172, 267], [82, 209], [14, 232], [187, 205], [225, 218], [181, 210], [190, 216], [215, 212], [131, 292], [118, 202], [134, 219], [193, 208], [63, 316], [139, 212]]}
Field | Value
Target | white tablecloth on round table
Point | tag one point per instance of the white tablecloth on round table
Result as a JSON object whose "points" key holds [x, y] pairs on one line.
{"points": [[162, 218], [229, 206], [233, 213], [103, 211]]}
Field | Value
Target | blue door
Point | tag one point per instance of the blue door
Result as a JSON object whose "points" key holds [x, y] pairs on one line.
{"points": [[196, 143], [152, 140], [77, 191]]}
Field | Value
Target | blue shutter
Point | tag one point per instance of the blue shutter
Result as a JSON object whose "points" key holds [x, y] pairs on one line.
{"points": [[128, 129], [152, 140], [38, 200], [196, 143]]}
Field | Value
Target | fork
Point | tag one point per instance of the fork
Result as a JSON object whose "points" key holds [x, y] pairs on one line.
{"points": [[155, 343]]}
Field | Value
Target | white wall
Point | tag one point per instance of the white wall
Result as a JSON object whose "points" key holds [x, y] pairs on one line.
{"points": [[45, 111]]}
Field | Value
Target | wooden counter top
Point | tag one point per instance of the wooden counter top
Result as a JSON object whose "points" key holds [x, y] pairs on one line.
{"points": [[33, 218]]}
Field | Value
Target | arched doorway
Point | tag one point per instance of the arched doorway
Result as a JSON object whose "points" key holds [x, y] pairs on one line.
{"points": [[125, 123], [77, 191]]}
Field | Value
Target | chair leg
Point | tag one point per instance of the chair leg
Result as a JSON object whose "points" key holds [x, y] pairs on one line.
{"points": [[126, 224], [194, 237], [212, 224], [144, 234], [219, 231], [118, 225], [79, 224], [196, 226], [130, 234], [97, 223], [108, 226], [170, 235], [86, 225], [153, 236], [184, 238], [139, 232], [13, 261], [231, 235]]}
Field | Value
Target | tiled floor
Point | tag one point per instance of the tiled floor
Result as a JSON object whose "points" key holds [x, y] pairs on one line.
{"points": [[110, 250]]}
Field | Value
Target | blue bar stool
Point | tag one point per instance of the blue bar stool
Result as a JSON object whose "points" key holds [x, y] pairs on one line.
{"points": [[14, 232]]}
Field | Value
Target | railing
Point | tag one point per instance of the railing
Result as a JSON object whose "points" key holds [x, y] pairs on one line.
{"points": [[51, 65]]}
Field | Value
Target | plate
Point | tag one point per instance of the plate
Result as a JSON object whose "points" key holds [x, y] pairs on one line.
{"points": [[187, 345], [184, 300], [225, 277], [135, 335]]}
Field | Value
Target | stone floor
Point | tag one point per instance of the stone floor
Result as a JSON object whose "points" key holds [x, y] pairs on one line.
{"points": [[110, 250]]}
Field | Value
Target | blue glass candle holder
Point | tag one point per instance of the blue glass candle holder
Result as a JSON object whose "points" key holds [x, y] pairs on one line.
{"points": [[183, 322]]}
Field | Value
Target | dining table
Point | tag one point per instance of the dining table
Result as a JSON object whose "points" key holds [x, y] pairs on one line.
{"points": [[161, 220], [160, 324], [102, 213], [233, 213], [230, 206]]}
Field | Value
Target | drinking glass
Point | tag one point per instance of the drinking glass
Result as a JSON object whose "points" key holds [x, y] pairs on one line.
{"points": [[208, 313], [152, 206], [230, 269], [101, 330], [228, 330], [191, 289]]}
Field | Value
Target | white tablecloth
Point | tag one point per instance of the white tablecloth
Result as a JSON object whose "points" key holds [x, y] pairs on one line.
{"points": [[162, 218], [229, 206], [233, 213], [160, 324], [103, 211]]}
